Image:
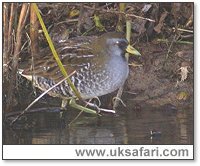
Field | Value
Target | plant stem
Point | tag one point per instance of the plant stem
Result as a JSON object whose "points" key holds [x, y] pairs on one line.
{"points": [[64, 72]]}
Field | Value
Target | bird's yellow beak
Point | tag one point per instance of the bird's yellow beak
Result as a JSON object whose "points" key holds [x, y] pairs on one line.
{"points": [[132, 50]]}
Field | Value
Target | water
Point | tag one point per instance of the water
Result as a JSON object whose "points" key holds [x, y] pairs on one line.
{"points": [[129, 127]]}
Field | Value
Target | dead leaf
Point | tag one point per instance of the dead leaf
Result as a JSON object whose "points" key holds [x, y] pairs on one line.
{"points": [[146, 8], [182, 95], [74, 13], [184, 72], [98, 23], [158, 27], [85, 21], [139, 26]]}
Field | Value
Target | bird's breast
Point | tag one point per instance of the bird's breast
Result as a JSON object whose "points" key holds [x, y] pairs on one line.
{"points": [[102, 79]]}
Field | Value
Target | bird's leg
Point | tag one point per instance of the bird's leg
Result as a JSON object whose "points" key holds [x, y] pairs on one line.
{"points": [[64, 104], [63, 107], [119, 94]]}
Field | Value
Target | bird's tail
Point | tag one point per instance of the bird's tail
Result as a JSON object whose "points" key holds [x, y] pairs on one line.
{"points": [[20, 71], [29, 77]]}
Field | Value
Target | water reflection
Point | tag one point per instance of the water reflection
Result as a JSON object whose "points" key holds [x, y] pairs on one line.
{"points": [[131, 127]]}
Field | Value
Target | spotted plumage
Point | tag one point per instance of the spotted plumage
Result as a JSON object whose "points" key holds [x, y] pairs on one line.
{"points": [[99, 62]]}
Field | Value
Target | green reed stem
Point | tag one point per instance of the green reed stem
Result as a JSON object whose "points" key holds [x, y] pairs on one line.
{"points": [[64, 72]]}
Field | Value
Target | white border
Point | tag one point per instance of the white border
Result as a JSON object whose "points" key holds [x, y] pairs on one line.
{"points": [[197, 77], [119, 151]]}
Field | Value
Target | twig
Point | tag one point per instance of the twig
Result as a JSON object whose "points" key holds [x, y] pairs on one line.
{"points": [[117, 12], [38, 98], [171, 44], [68, 21], [33, 40], [114, 98], [119, 26], [128, 34], [5, 38], [107, 110], [21, 24], [33, 31], [12, 14], [87, 103], [140, 17], [178, 42], [16, 113], [79, 114], [184, 30], [86, 32], [187, 36], [99, 109]]}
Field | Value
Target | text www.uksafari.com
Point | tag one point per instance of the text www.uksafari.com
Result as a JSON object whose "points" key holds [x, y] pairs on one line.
{"points": [[139, 152]]}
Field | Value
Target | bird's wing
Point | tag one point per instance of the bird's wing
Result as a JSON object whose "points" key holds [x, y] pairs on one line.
{"points": [[74, 54]]}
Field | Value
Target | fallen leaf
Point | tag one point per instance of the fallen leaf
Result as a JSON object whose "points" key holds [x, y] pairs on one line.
{"points": [[182, 95], [74, 13], [158, 27], [98, 23], [184, 72]]}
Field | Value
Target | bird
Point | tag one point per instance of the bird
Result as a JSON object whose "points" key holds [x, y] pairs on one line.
{"points": [[99, 61]]}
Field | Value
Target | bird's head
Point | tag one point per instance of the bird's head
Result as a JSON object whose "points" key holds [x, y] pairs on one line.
{"points": [[116, 44]]}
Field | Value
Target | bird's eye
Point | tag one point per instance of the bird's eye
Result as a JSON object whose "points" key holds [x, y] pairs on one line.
{"points": [[122, 44]]}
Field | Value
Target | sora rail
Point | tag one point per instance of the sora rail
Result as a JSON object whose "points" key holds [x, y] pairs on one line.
{"points": [[99, 62]]}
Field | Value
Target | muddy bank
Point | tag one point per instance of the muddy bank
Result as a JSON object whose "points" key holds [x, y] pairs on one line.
{"points": [[161, 79]]}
